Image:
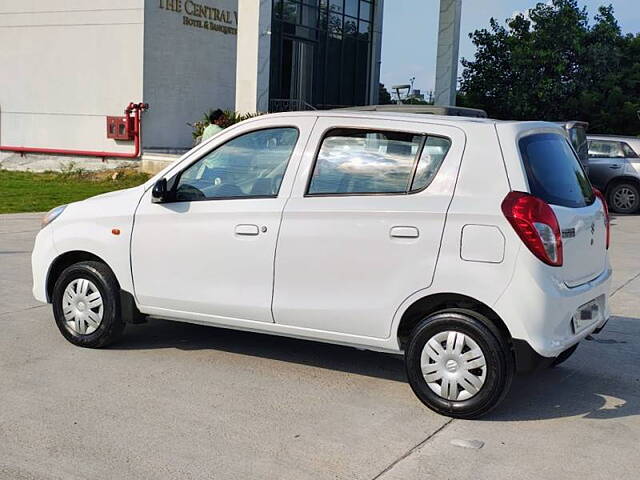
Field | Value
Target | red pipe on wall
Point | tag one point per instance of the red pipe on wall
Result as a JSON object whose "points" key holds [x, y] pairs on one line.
{"points": [[136, 108]]}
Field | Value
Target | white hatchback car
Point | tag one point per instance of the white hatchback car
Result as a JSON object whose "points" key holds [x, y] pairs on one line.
{"points": [[476, 247]]}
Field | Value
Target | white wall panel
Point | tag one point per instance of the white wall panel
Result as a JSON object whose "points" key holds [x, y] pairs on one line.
{"points": [[65, 65], [187, 69]]}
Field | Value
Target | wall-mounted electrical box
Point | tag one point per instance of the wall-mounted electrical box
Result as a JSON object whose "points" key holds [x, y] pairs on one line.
{"points": [[120, 128]]}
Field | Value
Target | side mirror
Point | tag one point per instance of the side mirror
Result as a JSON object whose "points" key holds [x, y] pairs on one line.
{"points": [[159, 193]]}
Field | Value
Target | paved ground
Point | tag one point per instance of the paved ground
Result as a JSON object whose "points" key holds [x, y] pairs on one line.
{"points": [[183, 401]]}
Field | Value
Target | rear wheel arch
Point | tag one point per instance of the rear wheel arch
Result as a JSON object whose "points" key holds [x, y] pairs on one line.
{"points": [[617, 181], [457, 365], [453, 302]]}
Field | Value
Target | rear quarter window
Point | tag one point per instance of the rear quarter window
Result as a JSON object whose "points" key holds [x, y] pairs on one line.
{"points": [[554, 172]]}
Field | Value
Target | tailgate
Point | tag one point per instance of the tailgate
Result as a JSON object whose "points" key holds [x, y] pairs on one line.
{"points": [[583, 243], [554, 174]]}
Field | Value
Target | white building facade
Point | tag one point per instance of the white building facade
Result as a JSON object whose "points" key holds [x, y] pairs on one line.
{"points": [[65, 65]]}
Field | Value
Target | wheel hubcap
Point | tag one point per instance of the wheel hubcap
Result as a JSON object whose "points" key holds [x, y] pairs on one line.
{"points": [[453, 365], [82, 306], [624, 198]]}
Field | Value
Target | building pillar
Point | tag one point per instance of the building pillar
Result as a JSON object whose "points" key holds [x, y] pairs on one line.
{"points": [[376, 53], [448, 46], [254, 55]]}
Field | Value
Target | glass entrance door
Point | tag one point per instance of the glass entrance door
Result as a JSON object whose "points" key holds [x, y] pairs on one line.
{"points": [[300, 75]]}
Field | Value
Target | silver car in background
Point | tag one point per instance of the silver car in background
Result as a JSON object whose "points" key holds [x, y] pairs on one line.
{"points": [[614, 169]]}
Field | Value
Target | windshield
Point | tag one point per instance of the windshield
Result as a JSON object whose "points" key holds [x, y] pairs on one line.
{"points": [[554, 172]]}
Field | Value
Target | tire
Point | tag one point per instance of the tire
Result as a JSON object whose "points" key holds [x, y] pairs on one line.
{"points": [[564, 356], [624, 197], [477, 333], [77, 293]]}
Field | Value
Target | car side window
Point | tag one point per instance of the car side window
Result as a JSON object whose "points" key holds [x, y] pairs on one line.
{"points": [[250, 165], [352, 162], [605, 149], [432, 156], [628, 151]]}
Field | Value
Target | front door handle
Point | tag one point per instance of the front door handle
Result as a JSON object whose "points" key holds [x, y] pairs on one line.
{"points": [[247, 229], [405, 232], [615, 166]]}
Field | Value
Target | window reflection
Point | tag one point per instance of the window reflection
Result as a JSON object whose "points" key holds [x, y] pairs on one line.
{"points": [[433, 153], [365, 162], [351, 7], [337, 53], [251, 165]]}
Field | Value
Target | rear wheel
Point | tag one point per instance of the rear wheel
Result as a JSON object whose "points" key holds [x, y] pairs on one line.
{"points": [[624, 198], [458, 366], [86, 305]]}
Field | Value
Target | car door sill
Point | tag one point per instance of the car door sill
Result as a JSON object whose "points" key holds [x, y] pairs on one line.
{"points": [[386, 345]]}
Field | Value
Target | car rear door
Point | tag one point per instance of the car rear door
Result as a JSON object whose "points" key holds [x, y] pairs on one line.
{"points": [[362, 229]]}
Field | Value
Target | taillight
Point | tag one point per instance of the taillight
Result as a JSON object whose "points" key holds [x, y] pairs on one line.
{"points": [[607, 219], [536, 224]]}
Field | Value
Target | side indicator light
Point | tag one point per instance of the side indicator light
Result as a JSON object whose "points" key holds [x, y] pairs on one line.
{"points": [[115, 231]]}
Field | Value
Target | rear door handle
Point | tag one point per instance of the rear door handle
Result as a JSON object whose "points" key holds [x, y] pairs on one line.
{"points": [[615, 166], [247, 229], [405, 232]]}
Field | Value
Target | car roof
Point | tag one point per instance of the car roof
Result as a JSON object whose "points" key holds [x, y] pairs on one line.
{"points": [[408, 117], [573, 123], [596, 136], [447, 110]]}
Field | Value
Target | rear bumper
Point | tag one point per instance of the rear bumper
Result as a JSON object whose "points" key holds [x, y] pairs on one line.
{"points": [[528, 360], [538, 310]]}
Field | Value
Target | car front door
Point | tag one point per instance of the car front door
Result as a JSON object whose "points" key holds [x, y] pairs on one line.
{"points": [[207, 254], [361, 231]]}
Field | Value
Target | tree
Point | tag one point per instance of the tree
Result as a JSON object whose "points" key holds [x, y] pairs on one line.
{"points": [[415, 101], [384, 97], [553, 65]]}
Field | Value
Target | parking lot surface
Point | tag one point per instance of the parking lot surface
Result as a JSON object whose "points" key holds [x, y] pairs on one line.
{"points": [[174, 400]]}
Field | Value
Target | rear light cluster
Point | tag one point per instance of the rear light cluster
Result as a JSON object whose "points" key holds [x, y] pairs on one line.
{"points": [[607, 219], [536, 224]]}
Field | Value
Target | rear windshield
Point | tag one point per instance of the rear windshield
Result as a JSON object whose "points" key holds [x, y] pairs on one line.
{"points": [[555, 174]]}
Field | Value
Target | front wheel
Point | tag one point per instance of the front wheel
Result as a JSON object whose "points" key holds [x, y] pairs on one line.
{"points": [[458, 366], [86, 305]]}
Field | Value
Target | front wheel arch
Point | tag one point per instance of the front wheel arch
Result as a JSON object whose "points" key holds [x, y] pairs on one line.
{"points": [[76, 308], [129, 311], [66, 260]]}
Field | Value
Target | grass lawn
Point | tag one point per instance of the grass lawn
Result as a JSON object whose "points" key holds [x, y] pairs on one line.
{"points": [[39, 192]]}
